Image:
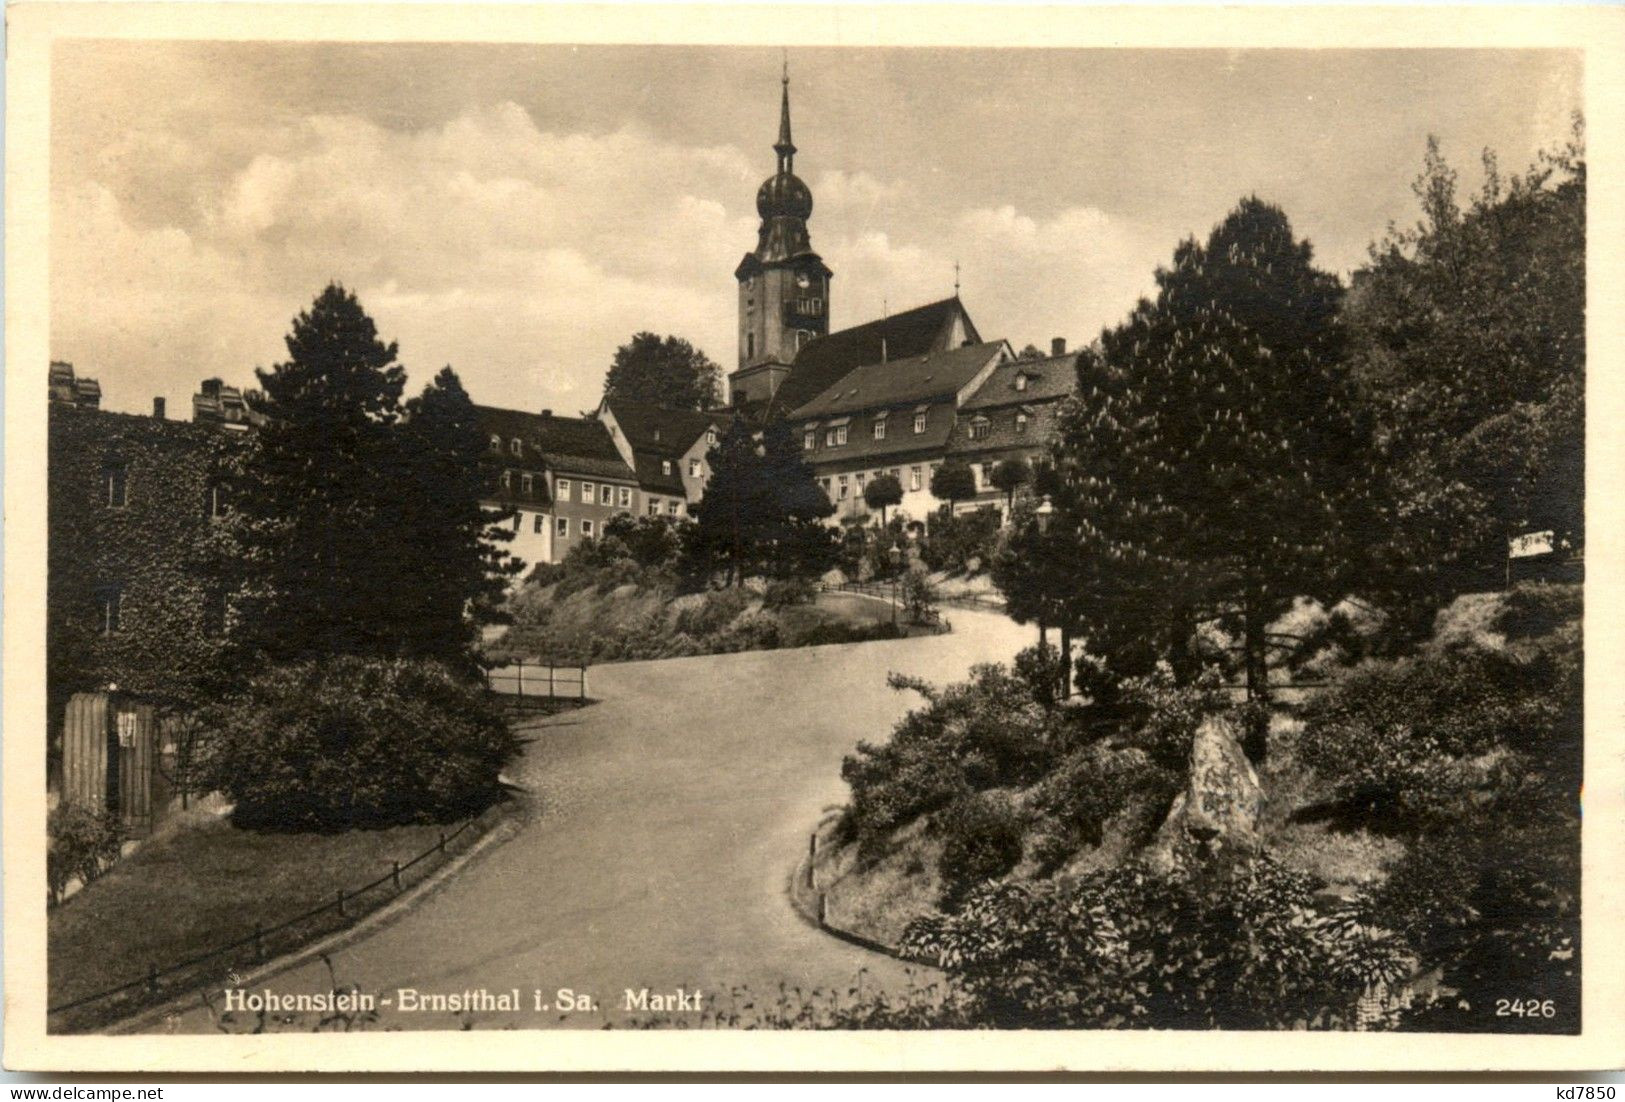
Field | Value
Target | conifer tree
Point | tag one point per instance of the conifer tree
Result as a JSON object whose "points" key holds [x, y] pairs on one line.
{"points": [[315, 577]]}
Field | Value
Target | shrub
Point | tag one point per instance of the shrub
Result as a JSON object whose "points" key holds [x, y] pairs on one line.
{"points": [[1096, 783], [789, 592], [953, 541], [982, 836], [1039, 668], [1409, 742], [713, 612], [1235, 947], [652, 542], [982, 733], [357, 742], [82, 843], [918, 597]]}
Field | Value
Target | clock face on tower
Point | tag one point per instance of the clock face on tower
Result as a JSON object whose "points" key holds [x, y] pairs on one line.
{"points": [[803, 281]]}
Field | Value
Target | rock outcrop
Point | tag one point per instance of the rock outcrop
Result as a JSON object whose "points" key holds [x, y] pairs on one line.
{"points": [[1219, 810]]}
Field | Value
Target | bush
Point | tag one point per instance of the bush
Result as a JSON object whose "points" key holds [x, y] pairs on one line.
{"points": [[918, 597], [954, 541], [651, 542], [982, 733], [789, 592], [712, 612], [1097, 782], [982, 840], [1534, 609], [1039, 668], [82, 843], [1235, 947], [355, 742]]}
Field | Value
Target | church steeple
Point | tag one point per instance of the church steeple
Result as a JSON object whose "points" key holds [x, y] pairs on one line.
{"points": [[785, 148], [783, 285]]}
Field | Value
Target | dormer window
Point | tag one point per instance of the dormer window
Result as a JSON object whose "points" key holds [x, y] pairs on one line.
{"points": [[496, 442], [1021, 380], [809, 440], [919, 421], [980, 428], [507, 480], [1021, 423], [517, 446], [665, 466], [880, 427], [711, 436]]}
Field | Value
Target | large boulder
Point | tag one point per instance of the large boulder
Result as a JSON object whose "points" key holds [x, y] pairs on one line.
{"points": [[1218, 811]]}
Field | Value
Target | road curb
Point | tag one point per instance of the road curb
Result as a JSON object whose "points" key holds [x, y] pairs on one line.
{"points": [[804, 901], [506, 826]]}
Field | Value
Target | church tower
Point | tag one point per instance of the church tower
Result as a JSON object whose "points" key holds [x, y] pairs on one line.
{"points": [[783, 284]]}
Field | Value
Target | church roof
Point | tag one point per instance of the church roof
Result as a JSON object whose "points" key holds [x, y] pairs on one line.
{"points": [[824, 361], [902, 383]]}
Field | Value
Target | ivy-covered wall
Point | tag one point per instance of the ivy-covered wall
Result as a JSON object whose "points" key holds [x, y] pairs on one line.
{"points": [[159, 549]]}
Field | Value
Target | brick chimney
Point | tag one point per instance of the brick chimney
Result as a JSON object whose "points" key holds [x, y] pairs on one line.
{"points": [[547, 413], [158, 408], [1057, 346]]}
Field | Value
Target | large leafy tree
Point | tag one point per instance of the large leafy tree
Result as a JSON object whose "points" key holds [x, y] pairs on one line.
{"points": [[664, 371], [1206, 466], [1469, 342], [319, 570], [953, 482], [883, 492]]}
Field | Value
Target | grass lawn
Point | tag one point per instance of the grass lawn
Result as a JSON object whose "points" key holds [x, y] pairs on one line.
{"points": [[200, 883]]}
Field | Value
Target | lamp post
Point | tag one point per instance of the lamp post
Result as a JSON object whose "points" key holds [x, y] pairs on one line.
{"points": [[896, 556], [1045, 514]]}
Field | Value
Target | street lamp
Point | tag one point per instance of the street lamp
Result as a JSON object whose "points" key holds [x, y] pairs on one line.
{"points": [[896, 555]]}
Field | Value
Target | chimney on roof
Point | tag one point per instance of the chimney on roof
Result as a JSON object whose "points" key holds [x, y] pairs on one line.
{"points": [[1057, 346], [158, 408], [547, 413]]}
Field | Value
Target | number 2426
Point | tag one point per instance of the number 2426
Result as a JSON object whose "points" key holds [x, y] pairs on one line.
{"points": [[1525, 1008]]}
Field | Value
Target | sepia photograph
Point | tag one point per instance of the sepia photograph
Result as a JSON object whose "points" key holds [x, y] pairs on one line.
{"points": [[799, 535]]}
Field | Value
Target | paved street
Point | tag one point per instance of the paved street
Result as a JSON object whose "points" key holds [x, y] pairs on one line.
{"points": [[667, 820]]}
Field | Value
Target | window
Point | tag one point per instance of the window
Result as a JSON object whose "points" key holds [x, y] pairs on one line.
{"points": [[919, 422], [623, 496], [979, 428], [665, 466], [880, 428], [519, 520], [562, 528], [541, 524], [586, 529], [215, 503], [802, 337], [829, 488], [606, 496], [859, 479], [711, 436], [564, 489], [693, 468], [654, 506], [978, 476], [496, 442], [915, 476], [115, 485], [107, 609], [673, 506], [586, 493], [809, 439], [842, 487], [507, 480], [1021, 423], [526, 483], [896, 473], [750, 346], [517, 446], [1021, 380], [835, 437]]}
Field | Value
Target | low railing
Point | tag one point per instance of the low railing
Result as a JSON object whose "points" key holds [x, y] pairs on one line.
{"points": [[525, 685], [259, 946]]}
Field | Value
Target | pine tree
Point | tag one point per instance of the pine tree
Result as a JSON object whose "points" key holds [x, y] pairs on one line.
{"points": [[315, 577], [729, 514], [1210, 465], [451, 546], [795, 541]]}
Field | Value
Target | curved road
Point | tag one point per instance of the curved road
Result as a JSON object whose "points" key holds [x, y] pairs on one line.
{"points": [[666, 820]]}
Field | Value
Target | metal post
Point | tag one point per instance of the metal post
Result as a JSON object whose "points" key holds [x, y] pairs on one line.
{"points": [[823, 910], [583, 683], [341, 904], [551, 690], [395, 874], [442, 846], [521, 666]]}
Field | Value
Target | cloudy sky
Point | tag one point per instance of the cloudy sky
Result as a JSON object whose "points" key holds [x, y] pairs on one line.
{"points": [[517, 212]]}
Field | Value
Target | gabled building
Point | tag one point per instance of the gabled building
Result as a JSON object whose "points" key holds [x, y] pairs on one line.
{"points": [[667, 450], [891, 417], [1013, 415], [562, 476]]}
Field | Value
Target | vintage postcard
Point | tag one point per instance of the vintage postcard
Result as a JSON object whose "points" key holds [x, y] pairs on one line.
{"points": [[812, 538]]}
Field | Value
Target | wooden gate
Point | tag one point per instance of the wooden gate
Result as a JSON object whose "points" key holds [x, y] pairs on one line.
{"points": [[109, 747]]}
